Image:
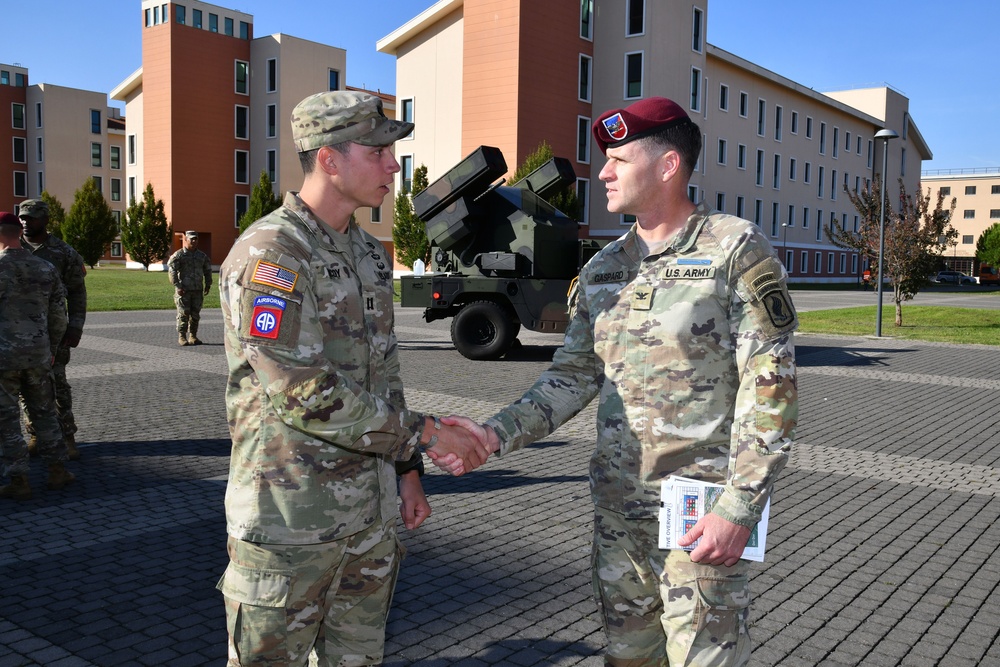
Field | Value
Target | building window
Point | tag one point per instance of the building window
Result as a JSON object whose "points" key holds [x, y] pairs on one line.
{"points": [[95, 155], [116, 247], [156, 16], [213, 22], [856, 222], [95, 121], [244, 30], [99, 181], [970, 189], [242, 122], [776, 176], [740, 206], [376, 214], [761, 111], [807, 176], [131, 149], [695, 89], [147, 21], [4, 77], [407, 113], [20, 150], [720, 202], [116, 157], [272, 165], [741, 156], [586, 16], [869, 153], [583, 139], [39, 154], [20, 184], [789, 261], [696, 30], [744, 104], [994, 213], [854, 264], [693, 194], [116, 189], [635, 17], [19, 80], [836, 144], [131, 189], [17, 116], [722, 151], [585, 80], [272, 75], [829, 263], [833, 185], [804, 262], [196, 18], [583, 200], [633, 75], [791, 216], [777, 123], [723, 97], [994, 190], [819, 182], [242, 204], [758, 211], [272, 121], [847, 141], [809, 127], [902, 162], [819, 232], [805, 217], [819, 262], [406, 173], [822, 138], [795, 122], [970, 214], [775, 221], [627, 219], [334, 80], [242, 77], [967, 239], [859, 148], [791, 169], [181, 12], [38, 114], [760, 168], [229, 26], [242, 166], [945, 191]]}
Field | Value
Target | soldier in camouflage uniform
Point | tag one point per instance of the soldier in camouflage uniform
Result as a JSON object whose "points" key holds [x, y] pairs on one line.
{"points": [[32, 326], [682, 329], [34, 214], [316, 408], [191, 275]]}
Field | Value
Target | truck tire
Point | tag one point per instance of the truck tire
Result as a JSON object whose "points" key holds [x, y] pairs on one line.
{"points": [[483, 330]]}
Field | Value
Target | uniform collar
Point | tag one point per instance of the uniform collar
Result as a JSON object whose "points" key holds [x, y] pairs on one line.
{"points": [[316, 227], [683, 240]]}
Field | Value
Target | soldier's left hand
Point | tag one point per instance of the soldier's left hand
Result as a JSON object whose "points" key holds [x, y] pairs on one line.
{"points": [[722, 542], [72, 337], [207, 287]]}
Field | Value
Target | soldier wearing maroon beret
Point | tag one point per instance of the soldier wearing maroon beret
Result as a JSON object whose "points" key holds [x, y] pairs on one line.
{"points": [[682, 330]]}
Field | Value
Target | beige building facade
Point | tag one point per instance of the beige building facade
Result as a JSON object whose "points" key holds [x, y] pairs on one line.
{"points": [[775, 151], [977, 208]]}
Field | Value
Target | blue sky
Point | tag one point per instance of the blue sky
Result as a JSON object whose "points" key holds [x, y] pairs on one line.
{"points": [[942, 57]]}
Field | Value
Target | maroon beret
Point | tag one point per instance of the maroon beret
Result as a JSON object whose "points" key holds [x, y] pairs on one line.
{"points": [[617, 127], [9, 219]]}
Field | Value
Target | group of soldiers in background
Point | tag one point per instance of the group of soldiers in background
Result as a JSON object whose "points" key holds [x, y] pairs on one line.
{"points": [[43, 306]]}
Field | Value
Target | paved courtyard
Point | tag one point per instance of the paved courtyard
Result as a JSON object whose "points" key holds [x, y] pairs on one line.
{"points": [[884, 528]]}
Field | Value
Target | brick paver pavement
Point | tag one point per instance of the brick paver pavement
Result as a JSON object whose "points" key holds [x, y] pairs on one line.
{"points": [[884, 527]]}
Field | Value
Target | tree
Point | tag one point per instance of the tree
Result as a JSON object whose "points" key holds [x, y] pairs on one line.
{"points": [[988, 246], [409, 234], [565, 199], [146, 234], [915, 238], [90, 226], [262, 202], [57, 214]]}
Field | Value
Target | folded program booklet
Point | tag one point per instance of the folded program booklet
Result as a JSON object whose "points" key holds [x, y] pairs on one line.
{"points": [[683, 501]]}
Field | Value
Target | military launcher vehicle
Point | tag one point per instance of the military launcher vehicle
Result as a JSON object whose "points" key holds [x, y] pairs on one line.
{"points": [[502, 257]]}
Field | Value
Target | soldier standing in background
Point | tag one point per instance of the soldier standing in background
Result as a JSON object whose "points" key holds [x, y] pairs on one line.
{"points": [[191, 275], [34, 214], [32, 327]]}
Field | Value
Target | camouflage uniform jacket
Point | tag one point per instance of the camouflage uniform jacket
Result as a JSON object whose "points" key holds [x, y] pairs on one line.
{"points": [[690, 353], [32, 310], [314, 400], [187, 268], [69, 266]]}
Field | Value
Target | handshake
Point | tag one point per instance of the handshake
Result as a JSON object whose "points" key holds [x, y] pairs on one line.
{"points": [[461, 446]]}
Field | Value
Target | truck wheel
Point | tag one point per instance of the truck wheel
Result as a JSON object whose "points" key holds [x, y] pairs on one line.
{"points": [[483, 330]]}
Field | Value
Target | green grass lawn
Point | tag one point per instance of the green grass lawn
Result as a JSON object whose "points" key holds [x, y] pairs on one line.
{"points": [[117, 288]]}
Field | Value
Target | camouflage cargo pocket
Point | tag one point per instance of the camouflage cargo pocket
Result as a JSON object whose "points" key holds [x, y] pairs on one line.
{"points": [[256, 616], [721, 612]]}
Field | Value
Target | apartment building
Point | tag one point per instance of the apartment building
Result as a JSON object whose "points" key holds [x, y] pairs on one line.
{"points": [[977, 208], [58, 137], [209, 110], [512, 73]]}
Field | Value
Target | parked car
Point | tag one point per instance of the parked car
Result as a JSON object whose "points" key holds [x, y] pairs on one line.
{"points": [[954, 278]]}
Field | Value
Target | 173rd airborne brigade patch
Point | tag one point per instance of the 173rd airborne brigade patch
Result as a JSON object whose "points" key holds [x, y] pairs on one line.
{"points": [[769, 298]]}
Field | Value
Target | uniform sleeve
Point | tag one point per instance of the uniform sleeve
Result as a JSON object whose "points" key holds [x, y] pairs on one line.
{"points": [[57, 318], [208, 271], [281, 334], [762, 322], [76, 291], [568, 385], [172, 272]]}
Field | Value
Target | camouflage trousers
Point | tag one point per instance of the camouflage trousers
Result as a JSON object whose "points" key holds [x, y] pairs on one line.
{"points": [[35, 385], [284, 602], [64, 397], [188, 310], [661, 609]]}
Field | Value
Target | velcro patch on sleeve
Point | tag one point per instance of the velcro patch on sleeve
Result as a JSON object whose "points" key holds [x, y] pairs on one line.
{"points": [[769, 299], [274, 275], [268, 319]]}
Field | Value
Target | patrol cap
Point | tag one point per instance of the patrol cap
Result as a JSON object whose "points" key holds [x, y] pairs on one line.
{"points": [[325, 119], [33, 208], [191, 235], [617, 127], [8, 218]]}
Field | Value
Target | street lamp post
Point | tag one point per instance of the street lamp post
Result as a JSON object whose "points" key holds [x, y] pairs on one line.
{"points": [[885, 135]]}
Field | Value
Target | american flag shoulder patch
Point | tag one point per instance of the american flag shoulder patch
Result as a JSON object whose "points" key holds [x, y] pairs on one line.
{"points": [[273, 275]]}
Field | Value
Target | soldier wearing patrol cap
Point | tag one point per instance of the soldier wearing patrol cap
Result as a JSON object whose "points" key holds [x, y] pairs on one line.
{"points": [[34, 214], [190, 273], [316, 408], [682, 328]]}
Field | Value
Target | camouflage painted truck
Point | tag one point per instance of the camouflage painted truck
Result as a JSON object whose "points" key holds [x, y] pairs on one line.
{"points": [[502, 257]]}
